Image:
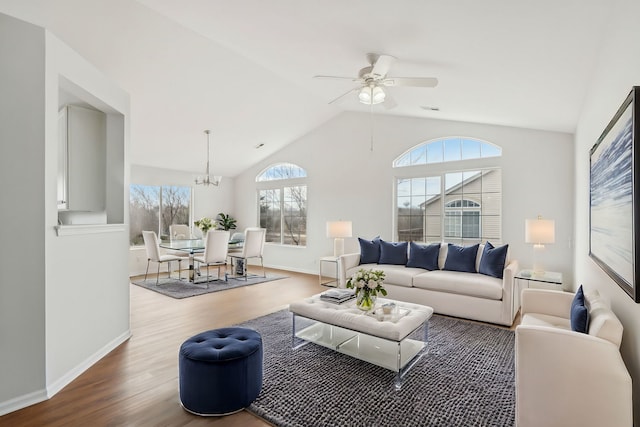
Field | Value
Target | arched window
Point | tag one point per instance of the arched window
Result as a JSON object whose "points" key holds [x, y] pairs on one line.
{"points": [[281, 171], [447, 150], [282, 204], [434, 203]]}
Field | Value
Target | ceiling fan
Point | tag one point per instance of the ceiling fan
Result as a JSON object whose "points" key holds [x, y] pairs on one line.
{"points": [[373, 79]]}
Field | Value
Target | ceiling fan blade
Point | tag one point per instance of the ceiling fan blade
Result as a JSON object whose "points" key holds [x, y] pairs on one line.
{"points": [[410, 81], [345, 94], [389, 102], [382, 65], [354, 79]]}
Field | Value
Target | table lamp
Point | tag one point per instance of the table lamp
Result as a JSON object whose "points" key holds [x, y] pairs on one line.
{"points": [[338, 230], [539, 232]]}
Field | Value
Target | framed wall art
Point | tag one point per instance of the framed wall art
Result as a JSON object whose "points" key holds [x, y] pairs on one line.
{"points": [[613, 197]]}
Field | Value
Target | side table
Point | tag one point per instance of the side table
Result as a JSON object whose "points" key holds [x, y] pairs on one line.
{"points": [[540, 280], [536, 280], [329, 259]]}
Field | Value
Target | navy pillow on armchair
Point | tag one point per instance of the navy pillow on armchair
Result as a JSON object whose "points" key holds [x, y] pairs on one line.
{"points": [[369, 250], [461, 258], [579, 313], [493, 260], [393, 253]]}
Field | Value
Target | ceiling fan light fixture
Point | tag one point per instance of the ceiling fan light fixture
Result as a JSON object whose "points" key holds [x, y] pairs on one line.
{"points": [[365, 95], [378, 95], [371, 95]]}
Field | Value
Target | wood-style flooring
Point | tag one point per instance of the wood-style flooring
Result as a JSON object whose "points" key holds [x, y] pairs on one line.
{"points": [[137, 383]]}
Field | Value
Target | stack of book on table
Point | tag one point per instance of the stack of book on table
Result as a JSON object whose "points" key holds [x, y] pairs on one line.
{"points": [[338, 296]]}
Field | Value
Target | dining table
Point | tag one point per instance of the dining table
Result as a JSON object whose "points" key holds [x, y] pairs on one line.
{"points": [[195, 246]]}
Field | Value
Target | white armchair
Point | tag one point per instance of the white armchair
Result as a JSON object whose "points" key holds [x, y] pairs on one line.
{"points": [[566, 378]]}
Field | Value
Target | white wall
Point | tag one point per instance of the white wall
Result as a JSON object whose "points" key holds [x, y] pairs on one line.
{"points": [[618, 69], [56, 317], [207, 201], [347, 181], [72, 289], [22, 270]]}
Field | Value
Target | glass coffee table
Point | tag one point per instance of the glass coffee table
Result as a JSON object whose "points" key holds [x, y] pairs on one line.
{"points": [[394, 341]]}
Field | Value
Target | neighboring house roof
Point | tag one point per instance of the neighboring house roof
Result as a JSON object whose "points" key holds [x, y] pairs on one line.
{"points": [[456, 187]]}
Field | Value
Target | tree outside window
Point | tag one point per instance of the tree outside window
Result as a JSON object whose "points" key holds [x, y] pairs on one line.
{"points": [[155, 208], [283, 206]]}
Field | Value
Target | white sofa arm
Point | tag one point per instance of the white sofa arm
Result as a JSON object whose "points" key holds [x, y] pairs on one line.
{"points": [[508, 275], [509, 293], [346, 262], [546, 301], [568, 378]]}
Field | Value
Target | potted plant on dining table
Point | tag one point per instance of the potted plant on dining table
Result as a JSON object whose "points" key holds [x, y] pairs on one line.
{"points": [[204, 224]]}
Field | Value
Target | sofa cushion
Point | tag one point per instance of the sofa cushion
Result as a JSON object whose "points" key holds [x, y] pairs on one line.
{"points": [[461, 258], [394, 274], [393, 253], [579, 313], [471, 284], [493, 260], [539, 319], [369, 250], [423, 256]]}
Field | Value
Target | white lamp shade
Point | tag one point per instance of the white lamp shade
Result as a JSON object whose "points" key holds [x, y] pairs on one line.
{"points": [[540, 231], [339, 229]]}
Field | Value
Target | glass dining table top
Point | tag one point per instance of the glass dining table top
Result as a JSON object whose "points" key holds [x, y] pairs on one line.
{"points": [[193, 245]]}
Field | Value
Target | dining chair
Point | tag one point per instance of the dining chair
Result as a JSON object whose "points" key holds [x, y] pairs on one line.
{"points": [[252, 248], [179, 231], [152, 246], [216, 247]]}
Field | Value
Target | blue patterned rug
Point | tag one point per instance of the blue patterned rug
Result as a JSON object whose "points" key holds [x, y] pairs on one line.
{"points": [[466, 379]]}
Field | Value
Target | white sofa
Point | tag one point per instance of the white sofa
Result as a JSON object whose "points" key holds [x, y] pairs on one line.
{"points": [[566, 378], [468, 295]]}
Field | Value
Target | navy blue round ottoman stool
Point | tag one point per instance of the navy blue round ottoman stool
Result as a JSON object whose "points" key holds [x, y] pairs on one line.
{"points": [[220, 371]]}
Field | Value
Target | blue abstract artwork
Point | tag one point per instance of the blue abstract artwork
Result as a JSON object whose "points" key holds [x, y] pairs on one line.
{"points": [[611, 195]]}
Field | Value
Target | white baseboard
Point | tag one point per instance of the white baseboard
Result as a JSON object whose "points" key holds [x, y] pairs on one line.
{"points": [[63, 381], [38, 396], [23, 401]]}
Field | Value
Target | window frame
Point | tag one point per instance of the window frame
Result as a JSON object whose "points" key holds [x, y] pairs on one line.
{"points": [[440, 169], [159, 226], [280, 185], [415, 151]]}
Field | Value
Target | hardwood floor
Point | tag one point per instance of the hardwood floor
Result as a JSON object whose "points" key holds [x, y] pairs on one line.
{"points": [[137, 383]]}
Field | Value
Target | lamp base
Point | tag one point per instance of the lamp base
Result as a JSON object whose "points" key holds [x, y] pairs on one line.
{"points": [[538, 251], [338, 247]]}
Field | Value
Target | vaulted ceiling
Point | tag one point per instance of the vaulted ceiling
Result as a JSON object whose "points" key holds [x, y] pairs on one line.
{"points": [[244, 69]]}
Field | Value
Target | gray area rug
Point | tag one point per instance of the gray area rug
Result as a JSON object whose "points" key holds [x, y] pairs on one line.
{"points": [[466, 379], [183, 288]]}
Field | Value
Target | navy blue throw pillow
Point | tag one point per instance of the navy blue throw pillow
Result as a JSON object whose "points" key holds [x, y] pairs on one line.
{"points": [[461, 258], [369, 250], [424, 256], [493, 259], [393, 253], [579, 313]]}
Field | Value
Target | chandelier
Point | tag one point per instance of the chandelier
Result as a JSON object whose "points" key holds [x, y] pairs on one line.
{"points": [[208, 179]]}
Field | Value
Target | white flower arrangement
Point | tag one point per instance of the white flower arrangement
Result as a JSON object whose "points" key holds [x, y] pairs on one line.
{"points": [[367, 283]]}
